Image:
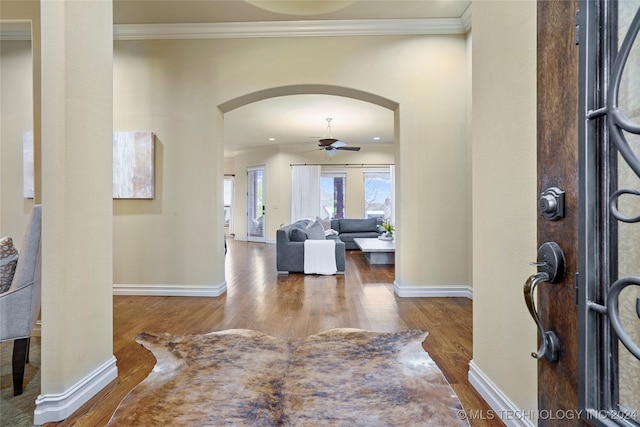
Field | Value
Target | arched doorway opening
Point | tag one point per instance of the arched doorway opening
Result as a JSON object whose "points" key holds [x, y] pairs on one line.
{"points": [[274, 120]]}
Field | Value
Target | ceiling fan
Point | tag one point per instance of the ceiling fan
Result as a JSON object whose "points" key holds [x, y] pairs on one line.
{"points": [[331, 144]]}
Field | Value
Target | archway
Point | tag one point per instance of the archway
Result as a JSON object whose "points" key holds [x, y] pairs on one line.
{"points": [[306, 89], [384, 109]]}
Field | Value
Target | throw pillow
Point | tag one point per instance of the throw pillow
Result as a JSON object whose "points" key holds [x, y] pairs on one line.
{"points": [[326, 223], [297, 235], [315, 231], [8, 263]]}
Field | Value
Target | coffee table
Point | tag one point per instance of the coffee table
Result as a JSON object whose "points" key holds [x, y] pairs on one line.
{"points": [[377, 251]]}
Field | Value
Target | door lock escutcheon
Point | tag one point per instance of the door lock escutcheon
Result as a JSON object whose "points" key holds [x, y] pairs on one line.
{"points": [[551, 203], [551, 262], [551, 268]]}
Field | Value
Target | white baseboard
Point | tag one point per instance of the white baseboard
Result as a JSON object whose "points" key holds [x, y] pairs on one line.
{"points": [[57, 407], [463, 291], [244, 239], [500, 404], [170, 290], [37, 329]]}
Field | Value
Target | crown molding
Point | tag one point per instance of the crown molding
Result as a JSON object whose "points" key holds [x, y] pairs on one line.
{"points": [[320, 28], [466, 19], [227, 30]]}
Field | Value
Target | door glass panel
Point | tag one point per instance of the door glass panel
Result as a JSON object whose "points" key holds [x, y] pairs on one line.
{"points": [[628, 252], [609, 291], [228, 204], [377, 194], [332, 194], [255, 204], [629, 233]]}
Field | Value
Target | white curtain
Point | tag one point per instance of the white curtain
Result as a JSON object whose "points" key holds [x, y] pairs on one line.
{"points": [[305, 192]]}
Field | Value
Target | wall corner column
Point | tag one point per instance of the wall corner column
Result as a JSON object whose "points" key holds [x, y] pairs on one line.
{"points": [[77, 277]]}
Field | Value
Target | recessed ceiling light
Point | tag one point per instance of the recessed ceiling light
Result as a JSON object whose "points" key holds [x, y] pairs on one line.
{"points": [[376, 138], [272, 139]]}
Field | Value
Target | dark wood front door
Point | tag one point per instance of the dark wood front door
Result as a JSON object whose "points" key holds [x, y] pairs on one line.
{"points": [[589, 148], [557, 75]]}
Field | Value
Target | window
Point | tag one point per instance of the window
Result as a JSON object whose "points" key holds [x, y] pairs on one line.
{"points": [[378, 198], [332, 197]]}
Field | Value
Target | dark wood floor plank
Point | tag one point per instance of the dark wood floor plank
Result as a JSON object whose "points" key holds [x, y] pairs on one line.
{"points": [[290, 307]]}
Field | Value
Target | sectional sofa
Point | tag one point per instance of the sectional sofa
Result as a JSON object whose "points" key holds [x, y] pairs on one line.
{"points": [[290, 246], [349, 229], [290, 240]]}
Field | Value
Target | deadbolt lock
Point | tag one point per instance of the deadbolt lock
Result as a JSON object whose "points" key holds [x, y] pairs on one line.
{"points": [[551, 203]]}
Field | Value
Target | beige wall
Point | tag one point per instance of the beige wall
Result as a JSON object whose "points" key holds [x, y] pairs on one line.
{"points": [[173, 87], [160, 87], [229, 166], [77, 333], [29, 11], [20, 80], [504, 194], [16, 117]]}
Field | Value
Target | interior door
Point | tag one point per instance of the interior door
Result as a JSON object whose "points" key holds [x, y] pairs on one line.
{"points": [[588, 304], [255, 205], [557, 128]]}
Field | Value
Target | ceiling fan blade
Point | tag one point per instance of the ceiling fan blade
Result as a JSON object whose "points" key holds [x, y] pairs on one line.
{"points": [[338, 144], [348, 148], [325, 142], [331, 152]]}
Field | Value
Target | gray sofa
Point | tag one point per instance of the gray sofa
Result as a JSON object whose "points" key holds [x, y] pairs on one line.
{"points": [[290, 253], [349, 229]]}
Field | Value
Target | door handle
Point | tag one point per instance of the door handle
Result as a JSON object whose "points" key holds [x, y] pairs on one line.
{"points": [[551, 264], [549, 341]]}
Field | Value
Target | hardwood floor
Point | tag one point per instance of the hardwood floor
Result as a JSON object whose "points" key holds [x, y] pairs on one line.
{"points": [[289, 307]]}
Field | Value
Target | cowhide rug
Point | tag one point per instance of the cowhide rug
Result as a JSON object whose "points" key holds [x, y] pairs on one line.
{"points": [[244, 377]]}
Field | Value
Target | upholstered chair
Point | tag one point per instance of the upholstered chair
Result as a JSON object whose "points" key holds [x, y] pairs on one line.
{"points": [[20, 304]]}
